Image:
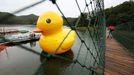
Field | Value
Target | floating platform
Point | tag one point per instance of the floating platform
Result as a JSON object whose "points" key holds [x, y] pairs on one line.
{"points": [[19, 39]]}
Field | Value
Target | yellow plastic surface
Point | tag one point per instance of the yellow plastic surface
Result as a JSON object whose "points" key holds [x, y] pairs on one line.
{"points": [[53, 34]]}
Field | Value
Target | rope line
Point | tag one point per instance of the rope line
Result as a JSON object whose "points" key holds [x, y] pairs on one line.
{"points": [[76, 32]]}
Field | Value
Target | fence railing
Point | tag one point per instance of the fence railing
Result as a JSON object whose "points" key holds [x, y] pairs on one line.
{"points": [[124, 34]]}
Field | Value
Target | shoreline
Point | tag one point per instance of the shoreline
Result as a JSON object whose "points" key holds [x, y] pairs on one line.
{"points": [[8, 25]]}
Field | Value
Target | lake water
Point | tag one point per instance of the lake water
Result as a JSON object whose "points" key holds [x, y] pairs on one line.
{"points": [[15, 60]]}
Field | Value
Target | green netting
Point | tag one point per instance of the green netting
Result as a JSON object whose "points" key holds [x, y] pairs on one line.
{"points": [[90, 43], [125, 35]]}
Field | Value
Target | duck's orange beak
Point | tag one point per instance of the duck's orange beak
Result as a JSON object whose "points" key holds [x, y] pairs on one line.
{"points": [[37, 30]]}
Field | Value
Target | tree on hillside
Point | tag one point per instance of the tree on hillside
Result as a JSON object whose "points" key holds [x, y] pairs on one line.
{"points": [[120, 14]]}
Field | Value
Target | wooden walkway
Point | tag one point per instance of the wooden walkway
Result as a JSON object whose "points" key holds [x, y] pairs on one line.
{"points": [[118, 61]]}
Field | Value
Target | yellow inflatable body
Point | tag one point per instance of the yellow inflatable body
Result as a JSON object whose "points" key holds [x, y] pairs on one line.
{"points": [[50, 25]]}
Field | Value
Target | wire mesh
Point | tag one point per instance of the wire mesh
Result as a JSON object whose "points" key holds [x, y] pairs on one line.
{"points": [[90, 43], [124, 34]]}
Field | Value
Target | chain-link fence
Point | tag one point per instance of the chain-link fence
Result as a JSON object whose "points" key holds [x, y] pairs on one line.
{"points": [[89, 46], [125, 35]]}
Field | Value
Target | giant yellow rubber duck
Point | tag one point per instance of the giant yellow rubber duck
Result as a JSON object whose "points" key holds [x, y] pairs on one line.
{"points": [[50, 25]]}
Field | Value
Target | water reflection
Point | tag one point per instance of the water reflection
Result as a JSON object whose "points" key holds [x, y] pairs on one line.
{"points": [[3, 47], [33, 44], [26, 62], [55, 66]]}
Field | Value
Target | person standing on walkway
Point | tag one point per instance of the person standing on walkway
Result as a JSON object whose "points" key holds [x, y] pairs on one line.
{"points": [[111, 28]]}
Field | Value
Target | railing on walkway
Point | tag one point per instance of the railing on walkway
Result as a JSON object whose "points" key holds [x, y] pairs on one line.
{"points": [[124, 34]]}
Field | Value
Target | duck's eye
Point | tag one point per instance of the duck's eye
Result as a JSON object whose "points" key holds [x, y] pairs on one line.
{"points": [[48, 20]]}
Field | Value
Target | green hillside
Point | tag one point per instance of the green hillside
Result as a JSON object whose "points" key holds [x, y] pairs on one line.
{"points": [[7, 18], [122, 13]]}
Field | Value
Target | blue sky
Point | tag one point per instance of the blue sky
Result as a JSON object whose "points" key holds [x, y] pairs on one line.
{"points": [[68, 7]]}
